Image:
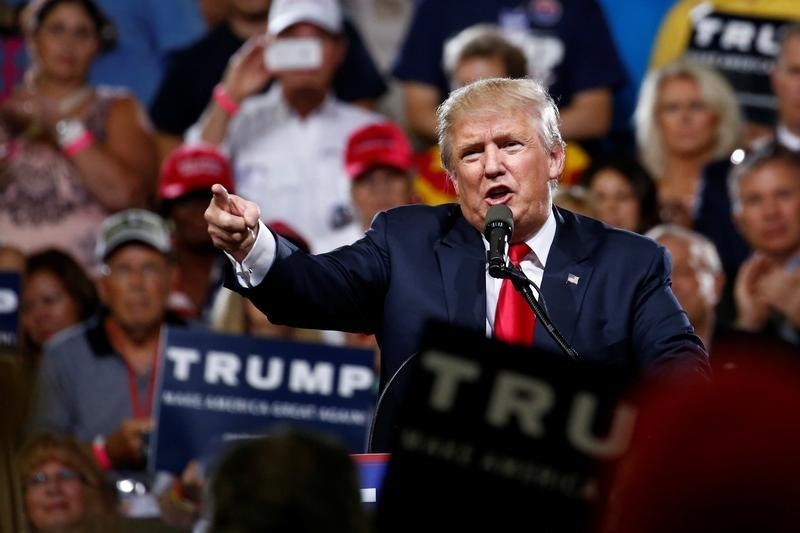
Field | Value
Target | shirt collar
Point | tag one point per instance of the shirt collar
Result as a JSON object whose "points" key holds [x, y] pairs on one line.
{"points": [[541, 241], [787, 138]]}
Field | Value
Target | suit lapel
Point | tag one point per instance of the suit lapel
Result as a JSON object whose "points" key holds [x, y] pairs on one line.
{"points": [[566, 277], [462, 259]]}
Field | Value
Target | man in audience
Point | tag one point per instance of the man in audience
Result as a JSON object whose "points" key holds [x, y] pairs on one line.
{"points": [[193, 71], [378, 160], [697, 276], [287, 145], [184, 190], [785, 78], [765, 189], [98, 379]]}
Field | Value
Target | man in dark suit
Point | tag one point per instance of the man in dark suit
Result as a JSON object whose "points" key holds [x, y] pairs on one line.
{"points": [[607, 291]]}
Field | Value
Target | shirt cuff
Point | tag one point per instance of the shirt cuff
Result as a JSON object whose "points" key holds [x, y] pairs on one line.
{"points": [[255, 266]]}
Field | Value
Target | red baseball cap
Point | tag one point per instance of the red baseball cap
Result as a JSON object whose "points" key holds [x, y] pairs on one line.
{"points": [[193, 168], [377, 144]]}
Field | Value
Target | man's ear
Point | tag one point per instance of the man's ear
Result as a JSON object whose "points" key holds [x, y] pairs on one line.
{"points": [[557, 156]]}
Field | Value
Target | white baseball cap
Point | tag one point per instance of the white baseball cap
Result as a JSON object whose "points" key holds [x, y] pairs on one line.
{"points": [[327, 14]]}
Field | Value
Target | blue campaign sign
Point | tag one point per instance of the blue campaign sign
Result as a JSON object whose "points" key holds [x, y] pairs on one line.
{"points": [[214, 388], [9, 308]]}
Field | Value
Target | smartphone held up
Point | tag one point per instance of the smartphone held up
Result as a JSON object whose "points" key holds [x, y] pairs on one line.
{"points": [[294, 53]]}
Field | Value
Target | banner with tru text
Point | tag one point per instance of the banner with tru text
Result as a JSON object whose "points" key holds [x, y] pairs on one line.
{"points": [[213, 388]]}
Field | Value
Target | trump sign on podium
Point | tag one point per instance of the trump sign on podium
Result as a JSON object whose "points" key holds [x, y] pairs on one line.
{"points": [[214, 388]]}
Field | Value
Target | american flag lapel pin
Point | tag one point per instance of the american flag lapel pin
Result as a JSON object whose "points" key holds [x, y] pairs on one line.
{"points": [[572, 278]]}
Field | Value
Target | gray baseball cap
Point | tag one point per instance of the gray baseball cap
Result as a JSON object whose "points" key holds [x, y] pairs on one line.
{"points": [[132, 225]]}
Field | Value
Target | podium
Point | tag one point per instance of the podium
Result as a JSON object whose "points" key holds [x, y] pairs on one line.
{"points": [[500, 435]]}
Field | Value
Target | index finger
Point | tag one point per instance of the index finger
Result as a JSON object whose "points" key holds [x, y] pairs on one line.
{"points": [[220, 196]]}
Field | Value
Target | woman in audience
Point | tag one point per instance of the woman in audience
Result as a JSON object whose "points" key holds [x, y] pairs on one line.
{"points": [[56, 294], [70, 153], [622, 194], [63, 488], [686, 117]]}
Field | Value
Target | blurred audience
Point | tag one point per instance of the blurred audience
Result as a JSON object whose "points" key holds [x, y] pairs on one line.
{"points": [[568, 48], [193, 71], [56, 294], [147, 32], [713, 458], [765, 189], [574, 198], [287, 145], [184, 191], [697, 276], [64, 490], [622, 193], [289, 481], [16, 392], [476, 52], [72, 153], [378, 159], [98, 380], [686, 117], [12, 259], [479, 52], [715, 214], [738, 38]]}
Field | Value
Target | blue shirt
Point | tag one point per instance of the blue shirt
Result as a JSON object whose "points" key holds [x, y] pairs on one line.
{"points": [[147, 30], [570, 47]]}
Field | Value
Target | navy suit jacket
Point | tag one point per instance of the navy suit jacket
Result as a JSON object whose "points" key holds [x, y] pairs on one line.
{"points": [[419, 263]]}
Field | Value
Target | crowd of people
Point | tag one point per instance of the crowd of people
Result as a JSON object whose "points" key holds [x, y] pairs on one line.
{"points": [[108, 153]]}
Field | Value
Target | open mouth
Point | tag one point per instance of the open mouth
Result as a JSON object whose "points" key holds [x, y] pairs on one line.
{"points": [[498, 195]]}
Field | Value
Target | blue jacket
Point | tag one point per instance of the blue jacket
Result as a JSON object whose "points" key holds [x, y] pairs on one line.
{"points": [[419, 263]]}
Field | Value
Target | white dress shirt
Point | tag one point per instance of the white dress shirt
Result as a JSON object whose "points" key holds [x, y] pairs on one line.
{"points": [[292, 166]]}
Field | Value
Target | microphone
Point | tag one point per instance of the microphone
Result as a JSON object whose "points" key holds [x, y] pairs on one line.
{"points": [[498, 230]]}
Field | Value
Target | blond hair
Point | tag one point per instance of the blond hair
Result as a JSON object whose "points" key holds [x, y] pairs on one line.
{"points": [[716, 93], [501, 96]]}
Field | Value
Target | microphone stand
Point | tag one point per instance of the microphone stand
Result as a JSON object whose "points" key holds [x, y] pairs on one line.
{"points": [[523, 286]]}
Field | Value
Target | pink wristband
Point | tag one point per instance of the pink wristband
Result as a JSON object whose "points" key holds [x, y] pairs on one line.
{"points": [[101, 455], [80, 144], [224, 100]]}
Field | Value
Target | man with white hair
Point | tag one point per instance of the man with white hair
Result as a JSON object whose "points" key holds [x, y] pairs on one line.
{"points": [[697, 276], [765, 190]]}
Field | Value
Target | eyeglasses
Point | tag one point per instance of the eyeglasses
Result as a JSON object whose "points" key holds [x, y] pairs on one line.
{"points": [[63, 475]]}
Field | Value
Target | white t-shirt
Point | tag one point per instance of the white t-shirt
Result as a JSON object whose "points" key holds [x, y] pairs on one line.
{"points": [[293, 167]]}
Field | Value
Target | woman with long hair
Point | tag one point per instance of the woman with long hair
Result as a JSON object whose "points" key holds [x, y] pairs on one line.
{"points": [[70, 153], [686, 117]]}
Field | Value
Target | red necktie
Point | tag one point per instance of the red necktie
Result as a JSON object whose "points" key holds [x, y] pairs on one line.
{"points": [[514, 320]]}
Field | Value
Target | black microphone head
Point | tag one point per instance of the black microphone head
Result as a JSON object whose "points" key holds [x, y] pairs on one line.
{"points": [[498, 215]]}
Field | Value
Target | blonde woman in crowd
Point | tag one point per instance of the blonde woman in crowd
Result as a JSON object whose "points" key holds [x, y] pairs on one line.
{"points": [[686, 117]]}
